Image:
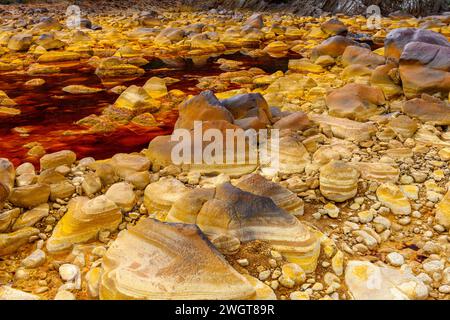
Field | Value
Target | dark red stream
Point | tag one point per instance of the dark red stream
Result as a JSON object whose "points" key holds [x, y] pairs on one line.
{"points": [[48, 114]]}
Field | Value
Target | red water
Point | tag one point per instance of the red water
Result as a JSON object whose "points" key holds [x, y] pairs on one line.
{"points": [[48, 114]]}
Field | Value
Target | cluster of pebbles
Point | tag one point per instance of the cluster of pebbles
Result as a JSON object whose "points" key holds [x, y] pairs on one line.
{"points": [[360, 206]]}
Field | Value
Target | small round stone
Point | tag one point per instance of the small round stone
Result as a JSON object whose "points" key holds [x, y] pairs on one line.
{"points": [[395, 259], [68, 272]]}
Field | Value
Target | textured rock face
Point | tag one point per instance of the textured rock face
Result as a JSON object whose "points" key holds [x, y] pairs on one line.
{"points": [[204, 107], [397, 40], [425, 68], [250, 217], [58, 57], [156, 87], [122, 195], [83, 221], [368, 281], [155, 260], [428, 109], [31, 217], [7, 218], [295, 121], [338, 181], [351, 7], [186, 208], [159, 151], [355, 102]]}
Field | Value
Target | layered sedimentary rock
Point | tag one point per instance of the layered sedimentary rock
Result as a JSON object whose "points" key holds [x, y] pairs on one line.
{"points": [[287, 156], [403, 126], [294, 121], [345, 128], [378, 171], [7, 218], [122, 195], [338, 181], [20, 42], [186, 208], [160, 196], [56, 56], [125, 164], [31, 217], [246, 216], [156, 260], [233, 151], [155, 87], [83, 221], [282, 197]]}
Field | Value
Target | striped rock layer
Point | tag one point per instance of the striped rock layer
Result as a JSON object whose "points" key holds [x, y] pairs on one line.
{"points": [[282, 197], [83, 221], [157, 260], [338, 181], [233, 212]]}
